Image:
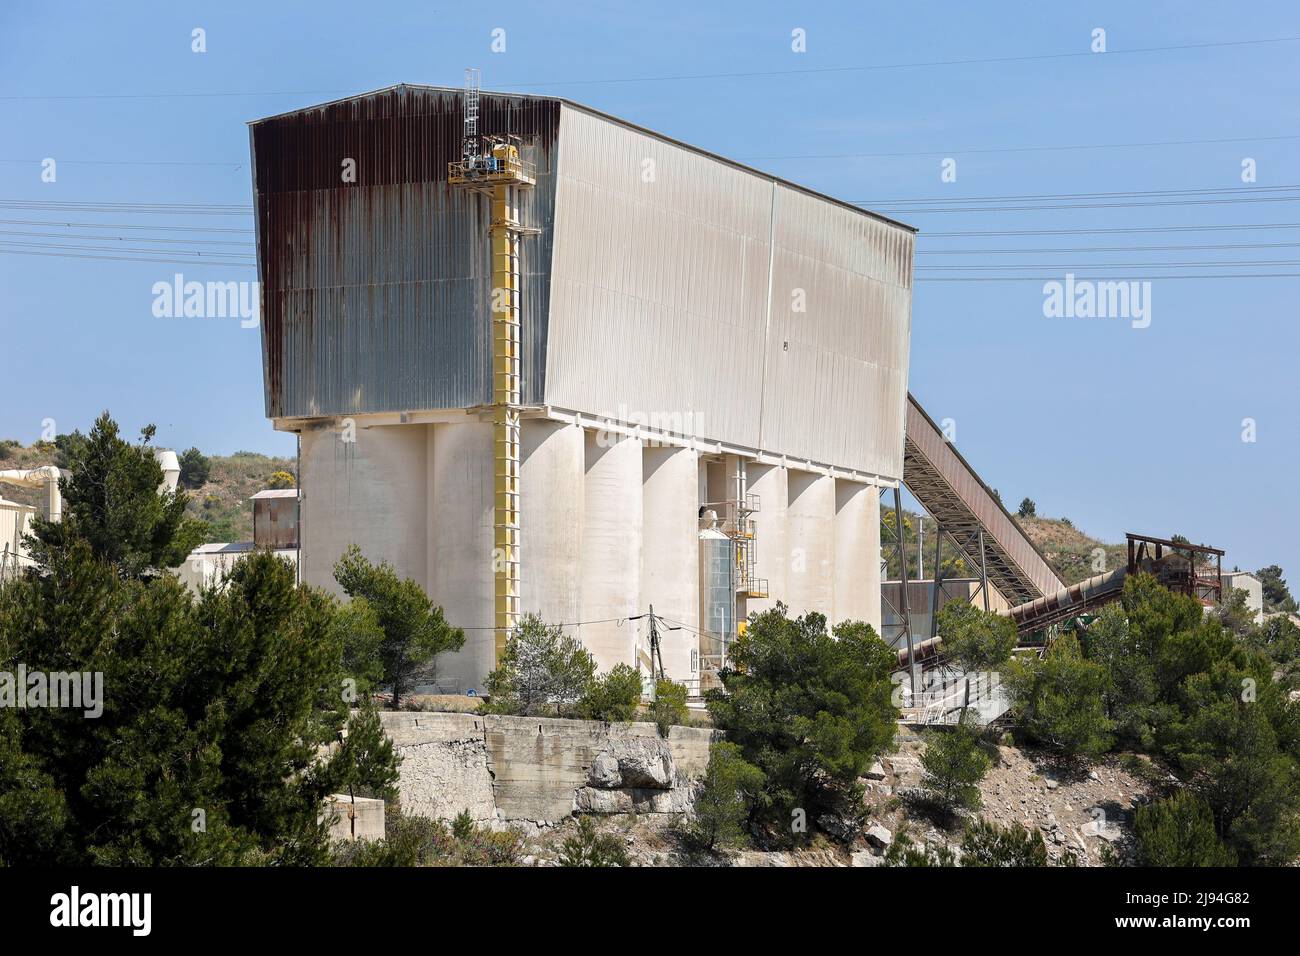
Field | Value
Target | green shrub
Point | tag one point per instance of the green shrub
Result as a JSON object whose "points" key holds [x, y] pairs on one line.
{"points": [[543, 672], [1060, 699], [955, 762], [669, 707], [987, 844], [978, 640], [1179, 831], [590, 847], [420, 841], [810, 710], [727, 792], [613, 696], [195, 468]]}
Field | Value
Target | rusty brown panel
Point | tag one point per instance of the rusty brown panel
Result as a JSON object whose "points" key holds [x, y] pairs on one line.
{"points": [[377, 279], [275, 523]]}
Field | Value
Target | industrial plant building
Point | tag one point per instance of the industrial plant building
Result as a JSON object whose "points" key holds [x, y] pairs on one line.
{"points": [[543, 360]]}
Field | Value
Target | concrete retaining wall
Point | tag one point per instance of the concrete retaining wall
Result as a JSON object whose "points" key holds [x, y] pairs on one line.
{"points": [[542, 769]]}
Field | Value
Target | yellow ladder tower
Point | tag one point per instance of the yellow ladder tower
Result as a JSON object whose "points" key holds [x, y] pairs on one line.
{"points": [[494, 169]]}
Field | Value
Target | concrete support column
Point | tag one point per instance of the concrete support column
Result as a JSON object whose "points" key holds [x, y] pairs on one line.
{"points": [[811, 540], [460, 545], [551, 506], [365, 487], [611, 547], [670, 556], [857, 550], [769, 484]]}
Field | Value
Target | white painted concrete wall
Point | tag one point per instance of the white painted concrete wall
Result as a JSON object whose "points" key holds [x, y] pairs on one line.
{"points": [[810, 524], [611, 547], [670, 551], [551, 519], [460, 541], [857, 549], [369, 492], [769, 483], [608, 527]]}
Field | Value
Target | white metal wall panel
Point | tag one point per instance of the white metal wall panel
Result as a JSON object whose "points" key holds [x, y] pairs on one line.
{"points": [[660, 287], [660, 301]]}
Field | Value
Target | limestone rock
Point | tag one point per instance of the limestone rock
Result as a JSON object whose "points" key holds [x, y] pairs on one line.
{"points": [[645, 762], [879, 836]]}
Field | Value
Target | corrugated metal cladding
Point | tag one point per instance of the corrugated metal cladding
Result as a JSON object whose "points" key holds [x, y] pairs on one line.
{"points": [[676, 288], [375, 293], [666, 283]]}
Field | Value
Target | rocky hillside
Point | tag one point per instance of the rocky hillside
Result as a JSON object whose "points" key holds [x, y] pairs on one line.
{"points": [[1079, 810], [1069, 551], [222, 501]]}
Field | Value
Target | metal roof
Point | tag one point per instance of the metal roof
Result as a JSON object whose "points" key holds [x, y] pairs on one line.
{"points": [[610, 117]]}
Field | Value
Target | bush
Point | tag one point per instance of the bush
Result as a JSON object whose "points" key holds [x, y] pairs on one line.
{"points": [[955, 762], [195, 468], [543, 672], [811, 711], [414, 631], [1179, 831], [1060, 699], [978, 640], [727, 792], [420, 841], [987, 844], [1027, 508], [613, 696], [669, 707], [589, 847], [903, 852], [280, 480]]}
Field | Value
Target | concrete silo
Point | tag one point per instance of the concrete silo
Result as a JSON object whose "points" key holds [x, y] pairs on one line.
{"points": [[655, 331]]}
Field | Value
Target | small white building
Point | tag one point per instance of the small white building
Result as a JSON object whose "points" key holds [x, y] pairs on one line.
{"points": [[1245, 581]]}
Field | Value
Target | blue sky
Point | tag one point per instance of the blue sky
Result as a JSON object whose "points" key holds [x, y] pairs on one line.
{"points": [[1115, 427]]}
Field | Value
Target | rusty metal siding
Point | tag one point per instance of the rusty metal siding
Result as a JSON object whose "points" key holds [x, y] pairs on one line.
{"points": [[275, 522], [375, 294]]}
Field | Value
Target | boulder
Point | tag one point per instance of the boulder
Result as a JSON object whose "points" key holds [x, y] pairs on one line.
{"points": [[879, 836], [645, 762]]}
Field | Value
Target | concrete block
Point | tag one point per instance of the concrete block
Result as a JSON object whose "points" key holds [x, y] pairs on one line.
{"points": [[351, 819]]}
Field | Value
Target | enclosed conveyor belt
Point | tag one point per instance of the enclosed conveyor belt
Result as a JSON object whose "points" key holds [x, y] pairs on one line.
{"points": [[1069, 602], [950, 490]]}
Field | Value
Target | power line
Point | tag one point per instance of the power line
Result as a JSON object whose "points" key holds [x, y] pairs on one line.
{"points": [[747, 74], [121, 162], [1146, 193], [218, 209], [119, 225], [74, 255], [1085, 278], [1112, 265], [1025, 149], [1122, 230], [175, 252], [75, 235], [1000, 252], [1092, 205]]}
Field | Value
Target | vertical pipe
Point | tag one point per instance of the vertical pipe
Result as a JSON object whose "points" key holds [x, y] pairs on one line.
{"points": [[984, 572], [902, 574], [934, 590]]}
